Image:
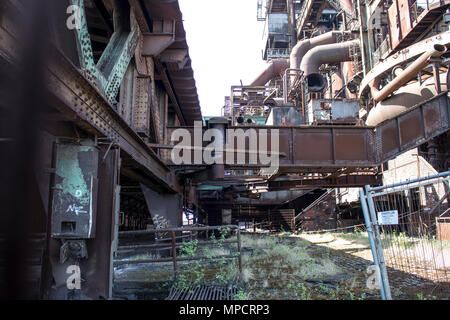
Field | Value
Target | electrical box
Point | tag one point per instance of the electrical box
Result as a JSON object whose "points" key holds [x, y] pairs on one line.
{"points": [[325, 110], [74, 203]]}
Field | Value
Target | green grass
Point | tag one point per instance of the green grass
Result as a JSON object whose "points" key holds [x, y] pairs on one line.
{"points": [[275, 267], [360, 237], [283, 266]]}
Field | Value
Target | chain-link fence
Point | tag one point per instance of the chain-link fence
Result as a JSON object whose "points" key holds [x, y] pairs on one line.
{"points": [[408, 227]]}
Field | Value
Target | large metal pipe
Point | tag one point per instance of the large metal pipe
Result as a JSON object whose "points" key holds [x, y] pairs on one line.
{"points": [[337, 82], [302, 47], [347, 68], [274, 67], [406, 97], [346, 5], [330, 53], [411, 71]]}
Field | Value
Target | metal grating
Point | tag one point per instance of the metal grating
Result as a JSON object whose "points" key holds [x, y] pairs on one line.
{"points": [[196, 292]]}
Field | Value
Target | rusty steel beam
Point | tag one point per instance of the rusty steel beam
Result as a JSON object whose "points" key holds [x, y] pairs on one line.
{"points": [[75, 95], [167, 85], [141, 15], [349, 146], [347, 181]]}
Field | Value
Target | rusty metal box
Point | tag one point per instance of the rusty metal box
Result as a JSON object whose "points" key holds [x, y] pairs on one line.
{"points": [[74, 201]]}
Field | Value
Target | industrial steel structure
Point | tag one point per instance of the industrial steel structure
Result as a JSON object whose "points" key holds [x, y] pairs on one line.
{"points": [[94, 95]]}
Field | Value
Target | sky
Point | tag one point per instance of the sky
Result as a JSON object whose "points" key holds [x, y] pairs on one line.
{"points": [[225, 44]]}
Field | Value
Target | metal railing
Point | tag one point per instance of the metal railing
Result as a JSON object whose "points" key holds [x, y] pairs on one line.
{"points": [[384, 47], [403, 224], [250, 100], [174, 244], [277, 53], [297, 219], [291, 79], [420, 6]]}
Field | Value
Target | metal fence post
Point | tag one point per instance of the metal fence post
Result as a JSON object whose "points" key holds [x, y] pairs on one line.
{"points": [[378, 246], [372, 242], [240, 251], [174, 255]]}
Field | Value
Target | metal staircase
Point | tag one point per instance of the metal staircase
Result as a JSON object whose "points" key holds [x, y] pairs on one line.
{"points": [[296, 221], [422, 21]]}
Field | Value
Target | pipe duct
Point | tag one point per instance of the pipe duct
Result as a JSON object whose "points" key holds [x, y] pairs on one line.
{"points": [[337, 83], [302, 47], [406, 97], [273, 68], [329, 53], [403, 77], [346, 5]]}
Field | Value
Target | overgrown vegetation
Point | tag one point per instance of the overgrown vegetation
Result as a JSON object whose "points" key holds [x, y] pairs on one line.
{"points": [[281, 266], [211, 266], [274, 267]]}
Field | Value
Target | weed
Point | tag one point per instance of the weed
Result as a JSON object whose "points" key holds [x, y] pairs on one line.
{"points": [[397, 292], [241, 295], [189, 248]]}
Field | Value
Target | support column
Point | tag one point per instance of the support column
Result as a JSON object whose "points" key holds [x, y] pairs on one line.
{"points": [[218, 170], [97, 270], [94, 267], [167, 206]]}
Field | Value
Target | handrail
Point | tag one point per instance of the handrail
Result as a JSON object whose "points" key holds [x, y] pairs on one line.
{"points": [[174, 245], [149, 231], [313, 204]]}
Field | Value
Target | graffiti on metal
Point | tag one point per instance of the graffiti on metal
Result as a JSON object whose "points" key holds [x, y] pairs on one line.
{"points": [[74, 190]]}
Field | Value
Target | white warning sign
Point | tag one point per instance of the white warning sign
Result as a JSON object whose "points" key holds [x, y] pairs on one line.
{"points": [[388, 217]]}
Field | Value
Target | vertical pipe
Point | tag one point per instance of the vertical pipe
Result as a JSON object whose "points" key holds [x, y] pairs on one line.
{"points": [[347, 4], [361, 35], [292, 22], [337, 82], [437, 80], [371, 241], [218, 168], [348, 73], [378, 245]]}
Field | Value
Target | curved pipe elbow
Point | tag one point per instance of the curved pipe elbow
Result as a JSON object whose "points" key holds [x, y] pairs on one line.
{"points": [[329, 53], [302, 47], [273, 68]]}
